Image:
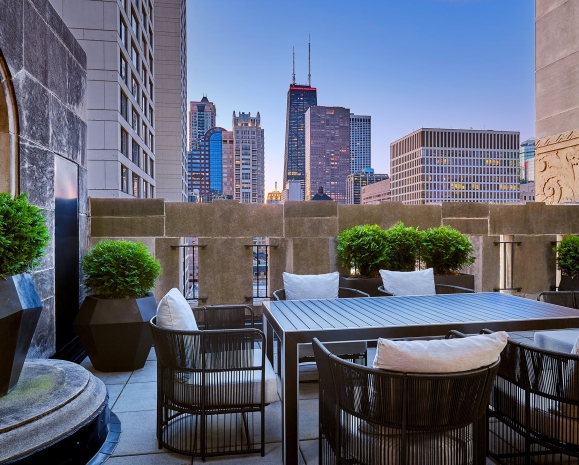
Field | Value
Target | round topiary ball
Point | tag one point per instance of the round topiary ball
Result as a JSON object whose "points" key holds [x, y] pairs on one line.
{"points": [[568, 256], [120, 270], [23, 235], [446, 250]]}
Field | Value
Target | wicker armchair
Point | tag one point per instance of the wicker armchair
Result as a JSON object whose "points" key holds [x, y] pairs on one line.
{"points": [[563, 298], [534, 407], [379, 417], [440, 289], [354, 351], [213, 384]]}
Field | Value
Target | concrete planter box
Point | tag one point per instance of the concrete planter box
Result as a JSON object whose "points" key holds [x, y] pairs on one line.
{"points": [[115, 332], [569, 283], [461, 280], [20, 309], [367, 285]]}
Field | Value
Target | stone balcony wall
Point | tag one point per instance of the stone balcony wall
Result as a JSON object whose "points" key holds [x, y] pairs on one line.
{"points": [[305, 236]]}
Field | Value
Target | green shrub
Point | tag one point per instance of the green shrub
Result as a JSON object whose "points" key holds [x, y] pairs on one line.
{"points": [[23, 235], [446, 250], [362, 248], [120, 270], [402, 246], [568, 256]]}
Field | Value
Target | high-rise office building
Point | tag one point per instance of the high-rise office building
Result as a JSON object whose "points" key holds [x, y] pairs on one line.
{"points": [[360, 143], [119, 41], [527, 161], [170, 98], [248, 144], [211, 167], [376, 193], [201, 118], [327, 161], [293, 191], [445, 165], [356, 181], [274, 196]]}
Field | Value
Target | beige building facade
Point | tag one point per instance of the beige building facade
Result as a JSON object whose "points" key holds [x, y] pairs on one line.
{"points": [[377, 192], [557, 101]]}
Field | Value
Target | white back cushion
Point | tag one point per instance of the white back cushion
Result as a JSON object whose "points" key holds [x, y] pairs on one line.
{"points": [[440, 355], [174, 312], [311, 286], [409, 282]]}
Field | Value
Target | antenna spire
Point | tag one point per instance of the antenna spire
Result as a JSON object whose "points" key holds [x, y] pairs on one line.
{"points": [[309, 63], [293, 65]]}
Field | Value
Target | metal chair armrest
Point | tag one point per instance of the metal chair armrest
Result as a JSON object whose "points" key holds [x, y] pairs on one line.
{"points": [[453, 289]]}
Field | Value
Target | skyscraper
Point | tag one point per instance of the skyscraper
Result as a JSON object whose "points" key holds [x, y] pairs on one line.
{"points": [[355, 182], [248, 143], [211, 167], [300, 97], [360, 143], [446, 165], [327, 160], [527, 161], [201, 119]]}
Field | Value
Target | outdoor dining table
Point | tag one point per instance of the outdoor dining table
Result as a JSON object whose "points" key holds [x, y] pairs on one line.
{"points": [[296, 322]]}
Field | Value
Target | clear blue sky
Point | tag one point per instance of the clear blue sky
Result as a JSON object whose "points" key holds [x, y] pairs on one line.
{"points": [[407, 63]]}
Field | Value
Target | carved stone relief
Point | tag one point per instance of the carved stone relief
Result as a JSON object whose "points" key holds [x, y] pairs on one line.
{"points": [[557, 168]]}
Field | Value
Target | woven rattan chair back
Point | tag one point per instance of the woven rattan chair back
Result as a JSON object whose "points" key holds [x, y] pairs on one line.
{"points": [[563, 298]]}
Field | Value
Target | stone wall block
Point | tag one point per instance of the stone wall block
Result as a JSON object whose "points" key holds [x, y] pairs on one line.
{"points": [[59, 129], [127, 207], [469, 226], [146, 226], [76, 85], [311, 227], [44, 283], [543, 7], [171, 266], [277, 263], [225, 269], [534, 263], [465, 210], [312, 209], [310, 255], [224, 219], [47, 260], [37, 175], [57, 67], [43, 344], [36, 37], [533, 218], [10, 32], [491, 264], [33, 102]]}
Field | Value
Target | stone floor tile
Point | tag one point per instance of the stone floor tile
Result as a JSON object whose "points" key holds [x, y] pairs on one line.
{"points": [[308, 414], [114, 391], [152, 354], [151, 459], [117, 377], [310, 451], [309, 390], [136, 397], [146, 374], [272, 457], [138, 434]]}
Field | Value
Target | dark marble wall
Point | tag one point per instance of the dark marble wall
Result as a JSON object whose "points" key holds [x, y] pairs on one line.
{"points": [[47, 69]]}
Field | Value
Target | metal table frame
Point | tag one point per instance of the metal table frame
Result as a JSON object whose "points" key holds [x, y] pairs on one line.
{"points": [[364, 319]]}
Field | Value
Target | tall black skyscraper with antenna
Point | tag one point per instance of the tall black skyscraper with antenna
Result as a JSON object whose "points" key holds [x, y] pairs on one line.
{"points": [[300, 97]]}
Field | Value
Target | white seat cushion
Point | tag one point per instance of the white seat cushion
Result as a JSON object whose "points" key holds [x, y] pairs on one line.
{"points": [[440, 355], [557, 341], [311, 286], [174, 312], [409, 282]]}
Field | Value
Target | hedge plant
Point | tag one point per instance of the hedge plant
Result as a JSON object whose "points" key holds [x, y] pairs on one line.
{"points": [[402, 247], [446, 250], [568, 256], [120, 270], [23, 235], [362, 248]]}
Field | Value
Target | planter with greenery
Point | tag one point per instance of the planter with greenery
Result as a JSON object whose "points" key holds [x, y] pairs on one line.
{"points": [[402, 247], [112, 324], [448, 251], [23, 238], [568, 263]]}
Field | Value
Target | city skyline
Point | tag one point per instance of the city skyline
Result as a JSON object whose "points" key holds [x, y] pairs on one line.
{"points": [[436, 74]]}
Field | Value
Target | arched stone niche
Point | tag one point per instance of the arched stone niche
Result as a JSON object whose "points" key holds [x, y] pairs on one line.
{"points": [[8, 133]]}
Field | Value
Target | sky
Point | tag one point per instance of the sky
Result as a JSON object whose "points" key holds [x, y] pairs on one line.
{"points": [[406, 63]]}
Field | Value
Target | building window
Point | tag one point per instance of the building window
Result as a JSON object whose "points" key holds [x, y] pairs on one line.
{"points": [[151, 119], [135, 122], [151, 144], [145, 189], [123, 32], [134, 23], [144, 133], [135, 56], [135, 89], [136, 185], [124, 179], [144, 103], [135, 152], [152, 170], [124, 143], [124, 106], [123, 68]]}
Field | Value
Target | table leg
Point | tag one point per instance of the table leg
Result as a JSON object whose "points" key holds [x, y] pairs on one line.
{"points": [[290, 393], [269, 336]]}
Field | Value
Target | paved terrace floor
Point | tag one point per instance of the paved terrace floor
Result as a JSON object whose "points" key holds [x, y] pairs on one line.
{"points": [[133, 399]]}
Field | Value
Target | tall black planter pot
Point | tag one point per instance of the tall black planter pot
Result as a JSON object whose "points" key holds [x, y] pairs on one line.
{"points": [[20, 309], [461, 280], [115, 332], [569, 283], [368, 285]]}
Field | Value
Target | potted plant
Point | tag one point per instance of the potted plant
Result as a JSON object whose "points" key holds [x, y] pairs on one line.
{"points": [[23, 238], [568, 263], [113, 323], [361, 249], [402, 248], [447, 251]]}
